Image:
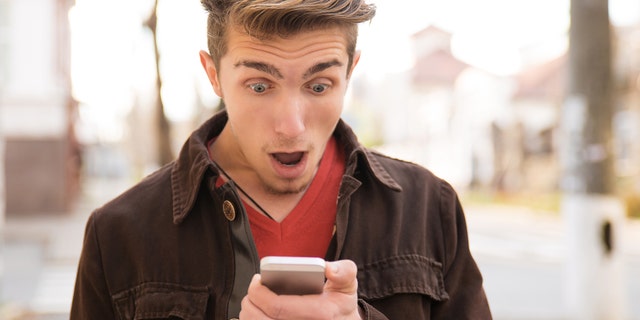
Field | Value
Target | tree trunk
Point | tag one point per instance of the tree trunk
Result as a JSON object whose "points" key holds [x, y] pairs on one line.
{"points": [[589, 158], [162, 126], [594, 217]]}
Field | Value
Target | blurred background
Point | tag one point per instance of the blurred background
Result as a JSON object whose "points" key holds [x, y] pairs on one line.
{"points": [[530, 108]]}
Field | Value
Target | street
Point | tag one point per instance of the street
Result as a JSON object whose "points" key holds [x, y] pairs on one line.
{"points": [[521, 254]]}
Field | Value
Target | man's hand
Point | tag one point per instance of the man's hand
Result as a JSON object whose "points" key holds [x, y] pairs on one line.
{"points": [[339, 299]]}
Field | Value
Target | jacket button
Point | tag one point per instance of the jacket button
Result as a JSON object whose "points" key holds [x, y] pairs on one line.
{"points": [[229, 210]]}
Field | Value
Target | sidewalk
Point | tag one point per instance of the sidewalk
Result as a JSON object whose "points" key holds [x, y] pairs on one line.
{"points": [[516, 232], [40, 256], [522, 255]]}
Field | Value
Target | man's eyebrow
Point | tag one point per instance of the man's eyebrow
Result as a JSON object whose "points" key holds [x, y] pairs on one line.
{"points": [[261, 66], [272, 70], [321, 67]]}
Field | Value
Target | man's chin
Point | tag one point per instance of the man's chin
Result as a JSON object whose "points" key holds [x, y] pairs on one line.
{"points": [[288, 188]]}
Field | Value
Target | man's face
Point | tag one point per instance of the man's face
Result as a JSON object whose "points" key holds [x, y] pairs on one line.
{"points": [[284, 98]]}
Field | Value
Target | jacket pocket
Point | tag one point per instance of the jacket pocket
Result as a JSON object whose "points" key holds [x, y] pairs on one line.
{"points": [[402, 274], [162, 301]]}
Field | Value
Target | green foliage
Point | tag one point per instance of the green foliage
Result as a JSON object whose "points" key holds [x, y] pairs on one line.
{"points": [[632, 201], [543, 202]]}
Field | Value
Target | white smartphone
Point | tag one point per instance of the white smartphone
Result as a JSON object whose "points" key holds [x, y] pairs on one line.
{"points": [[293, 275]]}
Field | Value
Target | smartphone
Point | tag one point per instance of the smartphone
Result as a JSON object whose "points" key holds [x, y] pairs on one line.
{"points": [[293, 275]]}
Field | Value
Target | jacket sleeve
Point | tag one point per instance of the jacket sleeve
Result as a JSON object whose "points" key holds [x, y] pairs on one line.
{"points": [[91, 298], [462, 278]]}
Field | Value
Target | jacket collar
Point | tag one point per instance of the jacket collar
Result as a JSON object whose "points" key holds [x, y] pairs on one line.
{"points": [[193, 162]]}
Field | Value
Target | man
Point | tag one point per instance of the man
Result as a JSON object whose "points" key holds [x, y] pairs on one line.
{"points": [[278, 173]]}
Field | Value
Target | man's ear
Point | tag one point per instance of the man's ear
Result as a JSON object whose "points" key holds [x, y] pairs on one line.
{"points": [[356, 58], [212, 73]]}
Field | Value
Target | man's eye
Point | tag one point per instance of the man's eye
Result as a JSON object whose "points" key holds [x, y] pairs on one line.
{"points": [[258, 87], [319, 88]]}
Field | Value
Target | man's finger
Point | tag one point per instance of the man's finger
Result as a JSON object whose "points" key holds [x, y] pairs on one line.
{"points": [[341, 276]]}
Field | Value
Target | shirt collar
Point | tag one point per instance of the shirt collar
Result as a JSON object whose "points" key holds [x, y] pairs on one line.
{"points": [[194, 161]]}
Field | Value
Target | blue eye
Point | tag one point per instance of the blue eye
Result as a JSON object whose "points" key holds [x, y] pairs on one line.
{"points": [[319, 88], [258, 87]]}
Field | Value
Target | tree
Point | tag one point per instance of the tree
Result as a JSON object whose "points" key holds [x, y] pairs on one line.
{"points": [[162, 125], [593, 214], [590, 169]]}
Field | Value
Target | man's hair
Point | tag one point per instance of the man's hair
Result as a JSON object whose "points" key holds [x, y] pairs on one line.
{"points": [[264, 19]]}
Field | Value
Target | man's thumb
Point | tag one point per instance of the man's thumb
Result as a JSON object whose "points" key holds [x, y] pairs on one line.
{"points": [[341, 276]]}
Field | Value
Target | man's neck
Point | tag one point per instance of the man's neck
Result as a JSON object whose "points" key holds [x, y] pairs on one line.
{"points": [[277, 206]]}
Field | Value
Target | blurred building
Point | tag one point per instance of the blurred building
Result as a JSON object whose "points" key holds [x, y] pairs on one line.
{"points": [[537, 102], [440, 112], [41, 155], [539, 99], [627, 119], [478, 129]]}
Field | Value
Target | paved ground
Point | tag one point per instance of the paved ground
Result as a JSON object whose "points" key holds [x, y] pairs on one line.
{"points": [[520, 253], [40, 256], [522, 256]]}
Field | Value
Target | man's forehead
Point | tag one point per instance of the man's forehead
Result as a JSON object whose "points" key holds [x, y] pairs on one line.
{"points": [[335, 33], [316, 45]]}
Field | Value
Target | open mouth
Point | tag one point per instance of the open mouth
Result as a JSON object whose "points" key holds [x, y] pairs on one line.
{"points": [[288, 159]]}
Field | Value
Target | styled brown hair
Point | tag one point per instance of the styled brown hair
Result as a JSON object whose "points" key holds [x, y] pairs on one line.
{"points": [[264, 19]]}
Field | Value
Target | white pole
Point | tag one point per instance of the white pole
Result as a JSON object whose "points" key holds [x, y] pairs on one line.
{"points": [[594, 267], [2, 192]]}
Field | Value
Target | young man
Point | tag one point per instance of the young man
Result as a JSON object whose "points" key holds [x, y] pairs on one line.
{"points": [[279, 173]]}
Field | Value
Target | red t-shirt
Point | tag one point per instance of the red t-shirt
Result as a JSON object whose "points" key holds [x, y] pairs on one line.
{"points": [[308, 229]]}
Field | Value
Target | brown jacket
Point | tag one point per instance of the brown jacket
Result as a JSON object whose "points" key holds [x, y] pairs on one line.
{"points": [[174, 245]]}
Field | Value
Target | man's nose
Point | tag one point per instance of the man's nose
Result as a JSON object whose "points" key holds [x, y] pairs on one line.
{"points": [[290, 116]]}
